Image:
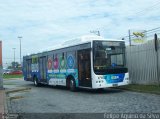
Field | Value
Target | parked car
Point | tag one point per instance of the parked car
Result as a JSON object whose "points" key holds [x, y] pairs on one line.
{"points": [[7, 71], [16, 72]]}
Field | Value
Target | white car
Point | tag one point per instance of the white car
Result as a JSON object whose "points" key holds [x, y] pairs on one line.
{"points": [[7, 71]]}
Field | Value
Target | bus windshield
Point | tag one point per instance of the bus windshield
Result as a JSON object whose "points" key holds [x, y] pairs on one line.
{"points": [[108, 55]]}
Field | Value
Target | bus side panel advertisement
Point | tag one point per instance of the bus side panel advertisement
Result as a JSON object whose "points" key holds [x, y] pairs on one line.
{"points": [[62, 68]]}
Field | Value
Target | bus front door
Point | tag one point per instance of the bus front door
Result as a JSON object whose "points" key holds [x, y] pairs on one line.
{"points": [[84, 68]]}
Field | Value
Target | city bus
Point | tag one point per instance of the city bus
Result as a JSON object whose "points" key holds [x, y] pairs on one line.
{"points": [[85, 62]]}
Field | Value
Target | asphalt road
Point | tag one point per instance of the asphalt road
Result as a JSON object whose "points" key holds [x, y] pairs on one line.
{"points": [[47, 99]]}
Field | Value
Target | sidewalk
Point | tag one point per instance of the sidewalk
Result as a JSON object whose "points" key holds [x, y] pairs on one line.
{"points": [[2, 102]]}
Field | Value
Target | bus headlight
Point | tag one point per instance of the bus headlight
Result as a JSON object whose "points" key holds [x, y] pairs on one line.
{"points": [[100, 77]]}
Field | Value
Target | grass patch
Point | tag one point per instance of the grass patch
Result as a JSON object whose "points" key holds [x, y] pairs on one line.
{"points": [[143, 88], [8, 76]]}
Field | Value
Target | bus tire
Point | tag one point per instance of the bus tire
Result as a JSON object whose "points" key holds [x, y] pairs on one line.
{"points": [[72, 85], [36, 83]]}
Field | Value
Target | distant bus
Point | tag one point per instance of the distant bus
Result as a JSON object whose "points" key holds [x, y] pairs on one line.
{"points": [[86, 62]]}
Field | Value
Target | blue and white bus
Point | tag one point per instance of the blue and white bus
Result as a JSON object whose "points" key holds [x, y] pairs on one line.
{"points": [[85, 62]]}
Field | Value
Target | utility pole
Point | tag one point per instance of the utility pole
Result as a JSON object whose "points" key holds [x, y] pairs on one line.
{"points": [[20, 37], [1, 67], [157, 59], [14, 57]]}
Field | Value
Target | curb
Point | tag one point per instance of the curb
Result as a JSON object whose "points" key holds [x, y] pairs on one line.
{"points": [[5, 104], [17, 90], [7, 100]]}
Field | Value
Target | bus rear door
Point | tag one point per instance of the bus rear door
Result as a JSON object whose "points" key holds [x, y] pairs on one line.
{"points": [[43, 67]]}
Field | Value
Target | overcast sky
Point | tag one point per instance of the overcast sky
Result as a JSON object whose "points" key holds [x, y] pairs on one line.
{"points": [[45, 23]]}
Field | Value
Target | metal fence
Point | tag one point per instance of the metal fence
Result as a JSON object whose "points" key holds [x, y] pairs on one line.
{"points": [[144, 62]]}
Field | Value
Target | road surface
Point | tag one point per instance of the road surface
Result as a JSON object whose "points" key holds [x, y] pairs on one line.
{"points": [[47, 99]]}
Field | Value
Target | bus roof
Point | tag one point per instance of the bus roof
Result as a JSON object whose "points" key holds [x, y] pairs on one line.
{"points": [[81, 40], [84, 39], [78, 41]]}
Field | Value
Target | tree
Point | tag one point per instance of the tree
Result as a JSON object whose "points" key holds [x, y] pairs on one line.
{"points": [[15, 66]]}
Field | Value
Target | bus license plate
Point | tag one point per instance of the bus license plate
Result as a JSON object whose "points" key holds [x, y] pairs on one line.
{"points": [[114, 85]]}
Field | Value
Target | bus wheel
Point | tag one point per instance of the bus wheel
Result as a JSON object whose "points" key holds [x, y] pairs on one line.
{"points": [[72, 85]]}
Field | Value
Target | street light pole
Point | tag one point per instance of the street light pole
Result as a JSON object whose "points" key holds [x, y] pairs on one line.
{"points": [[20, 37], [14, 56]]}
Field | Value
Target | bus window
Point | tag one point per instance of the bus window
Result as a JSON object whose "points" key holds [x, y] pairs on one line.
{"points": [[109, 56]]}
